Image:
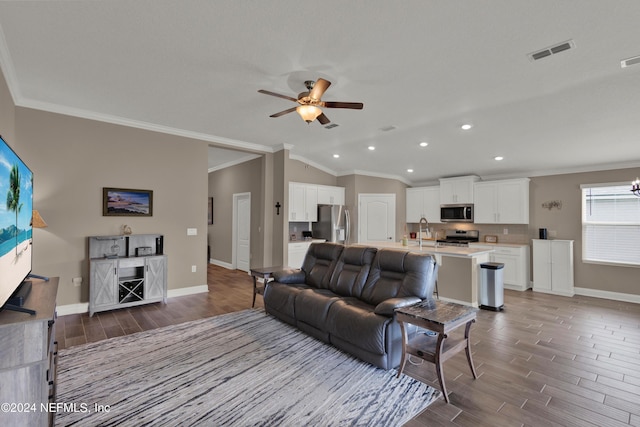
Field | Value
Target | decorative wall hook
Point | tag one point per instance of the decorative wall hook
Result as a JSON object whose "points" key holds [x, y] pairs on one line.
{"points": [[278, 206], [552, 204]]}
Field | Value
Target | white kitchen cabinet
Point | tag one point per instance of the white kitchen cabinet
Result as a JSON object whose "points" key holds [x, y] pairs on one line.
{"points": [[328, 195], [423, 202], [502, 202], [303, 202], [457, 190], [553, 267], [516, 263], [297, 251]]}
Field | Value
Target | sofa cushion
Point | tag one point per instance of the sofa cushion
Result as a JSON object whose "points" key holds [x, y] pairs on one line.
{"points": [[352, 270], [320, 262], [354, 321], [279, 300], [312, 306], [399, 274]]}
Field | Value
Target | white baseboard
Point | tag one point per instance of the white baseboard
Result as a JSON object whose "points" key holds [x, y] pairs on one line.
{"points": [[470, 304], [79, 308], [83, 307], [187, 291], [616, 296], [219, 263]]}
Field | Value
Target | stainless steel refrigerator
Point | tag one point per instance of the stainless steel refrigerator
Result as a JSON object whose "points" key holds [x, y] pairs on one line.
{"points": [[333, 224]]}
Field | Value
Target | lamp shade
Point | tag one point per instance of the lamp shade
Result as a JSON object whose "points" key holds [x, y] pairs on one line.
{"points": [[308, 112], [36, 220]]}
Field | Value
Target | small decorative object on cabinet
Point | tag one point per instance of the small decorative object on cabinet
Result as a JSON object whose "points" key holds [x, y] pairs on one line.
{"points": [[126, 271], [28, 358], [553, 267]]}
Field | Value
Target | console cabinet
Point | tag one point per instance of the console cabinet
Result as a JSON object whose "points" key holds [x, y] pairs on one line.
{"points": [[553, 267], [28, 357], [119, 278]]}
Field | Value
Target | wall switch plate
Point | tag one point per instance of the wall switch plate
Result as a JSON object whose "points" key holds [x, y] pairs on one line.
{"points": [[193, 268], [192, 231], [77, 281]]}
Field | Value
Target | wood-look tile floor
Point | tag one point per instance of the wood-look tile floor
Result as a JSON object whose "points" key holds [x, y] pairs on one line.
{"points": [[545, 360]]}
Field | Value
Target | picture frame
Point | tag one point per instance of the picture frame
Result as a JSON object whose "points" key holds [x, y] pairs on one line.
{"points": [[126, 202], [210, 213]]}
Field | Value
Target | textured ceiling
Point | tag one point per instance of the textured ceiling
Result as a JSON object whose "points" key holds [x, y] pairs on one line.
{"points": [[425, 67]]}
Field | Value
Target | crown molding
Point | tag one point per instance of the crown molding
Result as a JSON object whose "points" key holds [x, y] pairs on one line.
{"points": [[312, 163], [376, 175]]}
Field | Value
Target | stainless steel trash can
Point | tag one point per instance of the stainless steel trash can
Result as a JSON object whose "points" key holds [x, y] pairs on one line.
{"points": [[492, 286]]}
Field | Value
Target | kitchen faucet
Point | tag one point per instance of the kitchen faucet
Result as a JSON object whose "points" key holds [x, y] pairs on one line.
{"points": [[423, 219]]}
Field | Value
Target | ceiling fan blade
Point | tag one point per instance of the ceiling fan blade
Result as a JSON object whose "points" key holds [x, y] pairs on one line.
{"points": [[323, 119], [282, 113], [266, 92], [352, 105], [318, 89]]}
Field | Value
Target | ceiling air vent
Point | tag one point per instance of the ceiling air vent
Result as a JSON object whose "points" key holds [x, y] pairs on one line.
{"points": [[630, 61], [331, 126], [552, 50]]}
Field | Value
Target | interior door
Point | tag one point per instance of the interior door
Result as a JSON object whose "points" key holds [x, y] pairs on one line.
{"points": [[242, 231], [376, 218]]}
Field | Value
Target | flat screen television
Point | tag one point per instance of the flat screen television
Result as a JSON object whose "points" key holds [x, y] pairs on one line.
{"points": [[16, 208]]}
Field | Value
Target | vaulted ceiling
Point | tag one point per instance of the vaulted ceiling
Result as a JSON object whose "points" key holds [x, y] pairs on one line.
{"points": [[421, 67]]}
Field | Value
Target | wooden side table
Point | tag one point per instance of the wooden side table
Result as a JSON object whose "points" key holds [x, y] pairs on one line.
{"points": [[441, 318], [264, 273]]}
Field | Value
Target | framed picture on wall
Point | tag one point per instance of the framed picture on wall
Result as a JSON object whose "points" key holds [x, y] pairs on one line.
{"points": [[210, 216], [126, 202]]}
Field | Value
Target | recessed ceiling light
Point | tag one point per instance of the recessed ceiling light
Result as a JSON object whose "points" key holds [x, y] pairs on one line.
{"points": [[466, 126], [498, 158], [410, 170], [335, 156], [371, 147], [424, 144]]}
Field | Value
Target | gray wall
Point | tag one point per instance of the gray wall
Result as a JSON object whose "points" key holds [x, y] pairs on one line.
{"points": [[73, 159], [567, 224], [7, 114]]}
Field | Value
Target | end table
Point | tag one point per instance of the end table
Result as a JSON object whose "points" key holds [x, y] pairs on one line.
{"points": [[264, 273], [442, 318]]}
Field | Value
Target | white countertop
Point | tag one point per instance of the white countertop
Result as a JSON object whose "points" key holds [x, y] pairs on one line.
{"points": [[308, 241], [507, 245], [454, 251]]}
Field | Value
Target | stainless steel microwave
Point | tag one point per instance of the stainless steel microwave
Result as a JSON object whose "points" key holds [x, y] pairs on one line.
{"points": [[456, 213]]}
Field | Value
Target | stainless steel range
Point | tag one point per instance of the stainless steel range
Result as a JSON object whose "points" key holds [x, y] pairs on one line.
{"points": [[459, 238]]}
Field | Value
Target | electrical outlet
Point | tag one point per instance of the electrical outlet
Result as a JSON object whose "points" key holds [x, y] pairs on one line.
{"points": [[77, 281], [193, 268], [505, 231], [192, 231], [553, 233]]}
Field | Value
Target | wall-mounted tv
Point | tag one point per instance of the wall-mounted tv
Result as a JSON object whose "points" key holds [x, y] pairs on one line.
{"points": [[16, 208]]}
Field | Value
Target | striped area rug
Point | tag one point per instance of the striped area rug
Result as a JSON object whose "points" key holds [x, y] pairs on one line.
{"points": [[237, 369]]}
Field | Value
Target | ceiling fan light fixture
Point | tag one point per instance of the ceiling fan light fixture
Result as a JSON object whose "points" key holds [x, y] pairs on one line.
{"points": [[308, 112]]}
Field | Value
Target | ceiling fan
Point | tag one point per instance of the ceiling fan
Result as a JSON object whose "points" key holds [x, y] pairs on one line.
{"points": [[310, 102]]}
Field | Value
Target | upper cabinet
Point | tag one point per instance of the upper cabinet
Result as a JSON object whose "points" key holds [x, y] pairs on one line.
{"points": [[303, 202], [457, 190], [502, 202], [423, 202], [328, 195]]}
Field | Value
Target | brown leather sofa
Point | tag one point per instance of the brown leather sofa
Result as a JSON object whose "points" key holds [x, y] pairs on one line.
{"points": [[346, 296]]}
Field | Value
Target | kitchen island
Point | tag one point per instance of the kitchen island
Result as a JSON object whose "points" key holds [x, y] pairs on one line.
{"points": [[458, 269]]}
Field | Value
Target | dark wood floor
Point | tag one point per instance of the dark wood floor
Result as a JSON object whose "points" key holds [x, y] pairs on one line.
{"points": [[545, 361]]}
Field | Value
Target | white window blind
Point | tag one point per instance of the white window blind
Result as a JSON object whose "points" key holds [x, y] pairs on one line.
{"points": [[610, 224]]}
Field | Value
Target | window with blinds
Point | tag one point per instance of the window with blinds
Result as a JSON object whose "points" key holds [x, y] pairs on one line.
{"points": [[610, 224]]}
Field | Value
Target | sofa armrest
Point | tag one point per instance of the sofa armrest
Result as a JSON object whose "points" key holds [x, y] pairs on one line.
{"points": [[388, 307], [289, 276]]}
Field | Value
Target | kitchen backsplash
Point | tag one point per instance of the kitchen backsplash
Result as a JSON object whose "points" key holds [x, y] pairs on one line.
{"points": [[296, 229], [516, 233]]}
